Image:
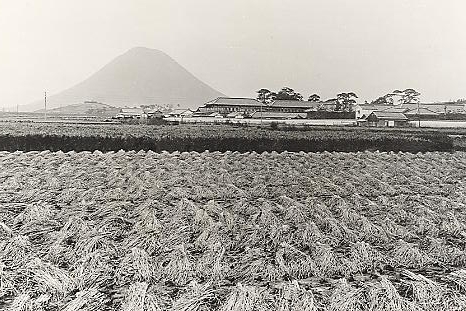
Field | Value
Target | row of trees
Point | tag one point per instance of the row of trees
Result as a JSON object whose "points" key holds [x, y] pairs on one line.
{"points": [[343, 101], [408, 96], [266, 96]]}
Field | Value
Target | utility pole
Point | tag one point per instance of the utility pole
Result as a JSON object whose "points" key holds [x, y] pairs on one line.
{"points": [[418, 113], [45, 105], [261, 114]]}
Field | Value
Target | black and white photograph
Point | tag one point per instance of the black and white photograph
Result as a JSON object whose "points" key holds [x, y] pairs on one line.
{"points": [[241, 155]]}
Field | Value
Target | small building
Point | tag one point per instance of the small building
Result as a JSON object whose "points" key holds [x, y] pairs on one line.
{"points": [[130, 113], [180, 113], [364, 110], [278, 115], [153, 113], [389, 119]]}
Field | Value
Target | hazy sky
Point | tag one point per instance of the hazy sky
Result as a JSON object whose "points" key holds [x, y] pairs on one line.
{"points": [[369, 47]]}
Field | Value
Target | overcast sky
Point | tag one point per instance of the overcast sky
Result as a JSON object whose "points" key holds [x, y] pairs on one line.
{"points": [[369, 47]]}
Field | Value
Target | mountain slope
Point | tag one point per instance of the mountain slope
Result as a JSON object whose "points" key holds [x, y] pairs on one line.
{"points": [[86, 108], [140, 76]]}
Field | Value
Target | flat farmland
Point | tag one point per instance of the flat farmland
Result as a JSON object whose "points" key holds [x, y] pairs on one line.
{"points": [[232, 231], [29, 136]]}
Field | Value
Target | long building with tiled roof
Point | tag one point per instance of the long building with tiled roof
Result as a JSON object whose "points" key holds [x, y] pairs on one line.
{"points": [[233, 104]]}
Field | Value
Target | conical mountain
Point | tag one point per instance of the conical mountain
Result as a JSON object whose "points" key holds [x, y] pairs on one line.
{"points": [[141, 76]]}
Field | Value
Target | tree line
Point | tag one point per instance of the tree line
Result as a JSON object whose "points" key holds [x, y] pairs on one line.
{"points": [[343, 101], [408, 96]]}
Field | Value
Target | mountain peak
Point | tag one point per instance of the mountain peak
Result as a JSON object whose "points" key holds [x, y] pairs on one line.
{"points": [[142, 49], [141, 76]]}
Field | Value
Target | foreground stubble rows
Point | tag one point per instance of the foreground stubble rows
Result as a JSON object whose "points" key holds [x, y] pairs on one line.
{"points": [[232, 231]]}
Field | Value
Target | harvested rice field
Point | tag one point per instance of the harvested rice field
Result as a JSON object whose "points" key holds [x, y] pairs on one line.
{"points": [[232, 231]]}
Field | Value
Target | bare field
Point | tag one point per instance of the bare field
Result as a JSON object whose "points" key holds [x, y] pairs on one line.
{"points": [[232, 231]]}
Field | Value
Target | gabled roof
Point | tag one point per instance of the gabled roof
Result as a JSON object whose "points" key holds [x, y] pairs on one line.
{"points": [[235, 101], [300, 104], [388, 115]]}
